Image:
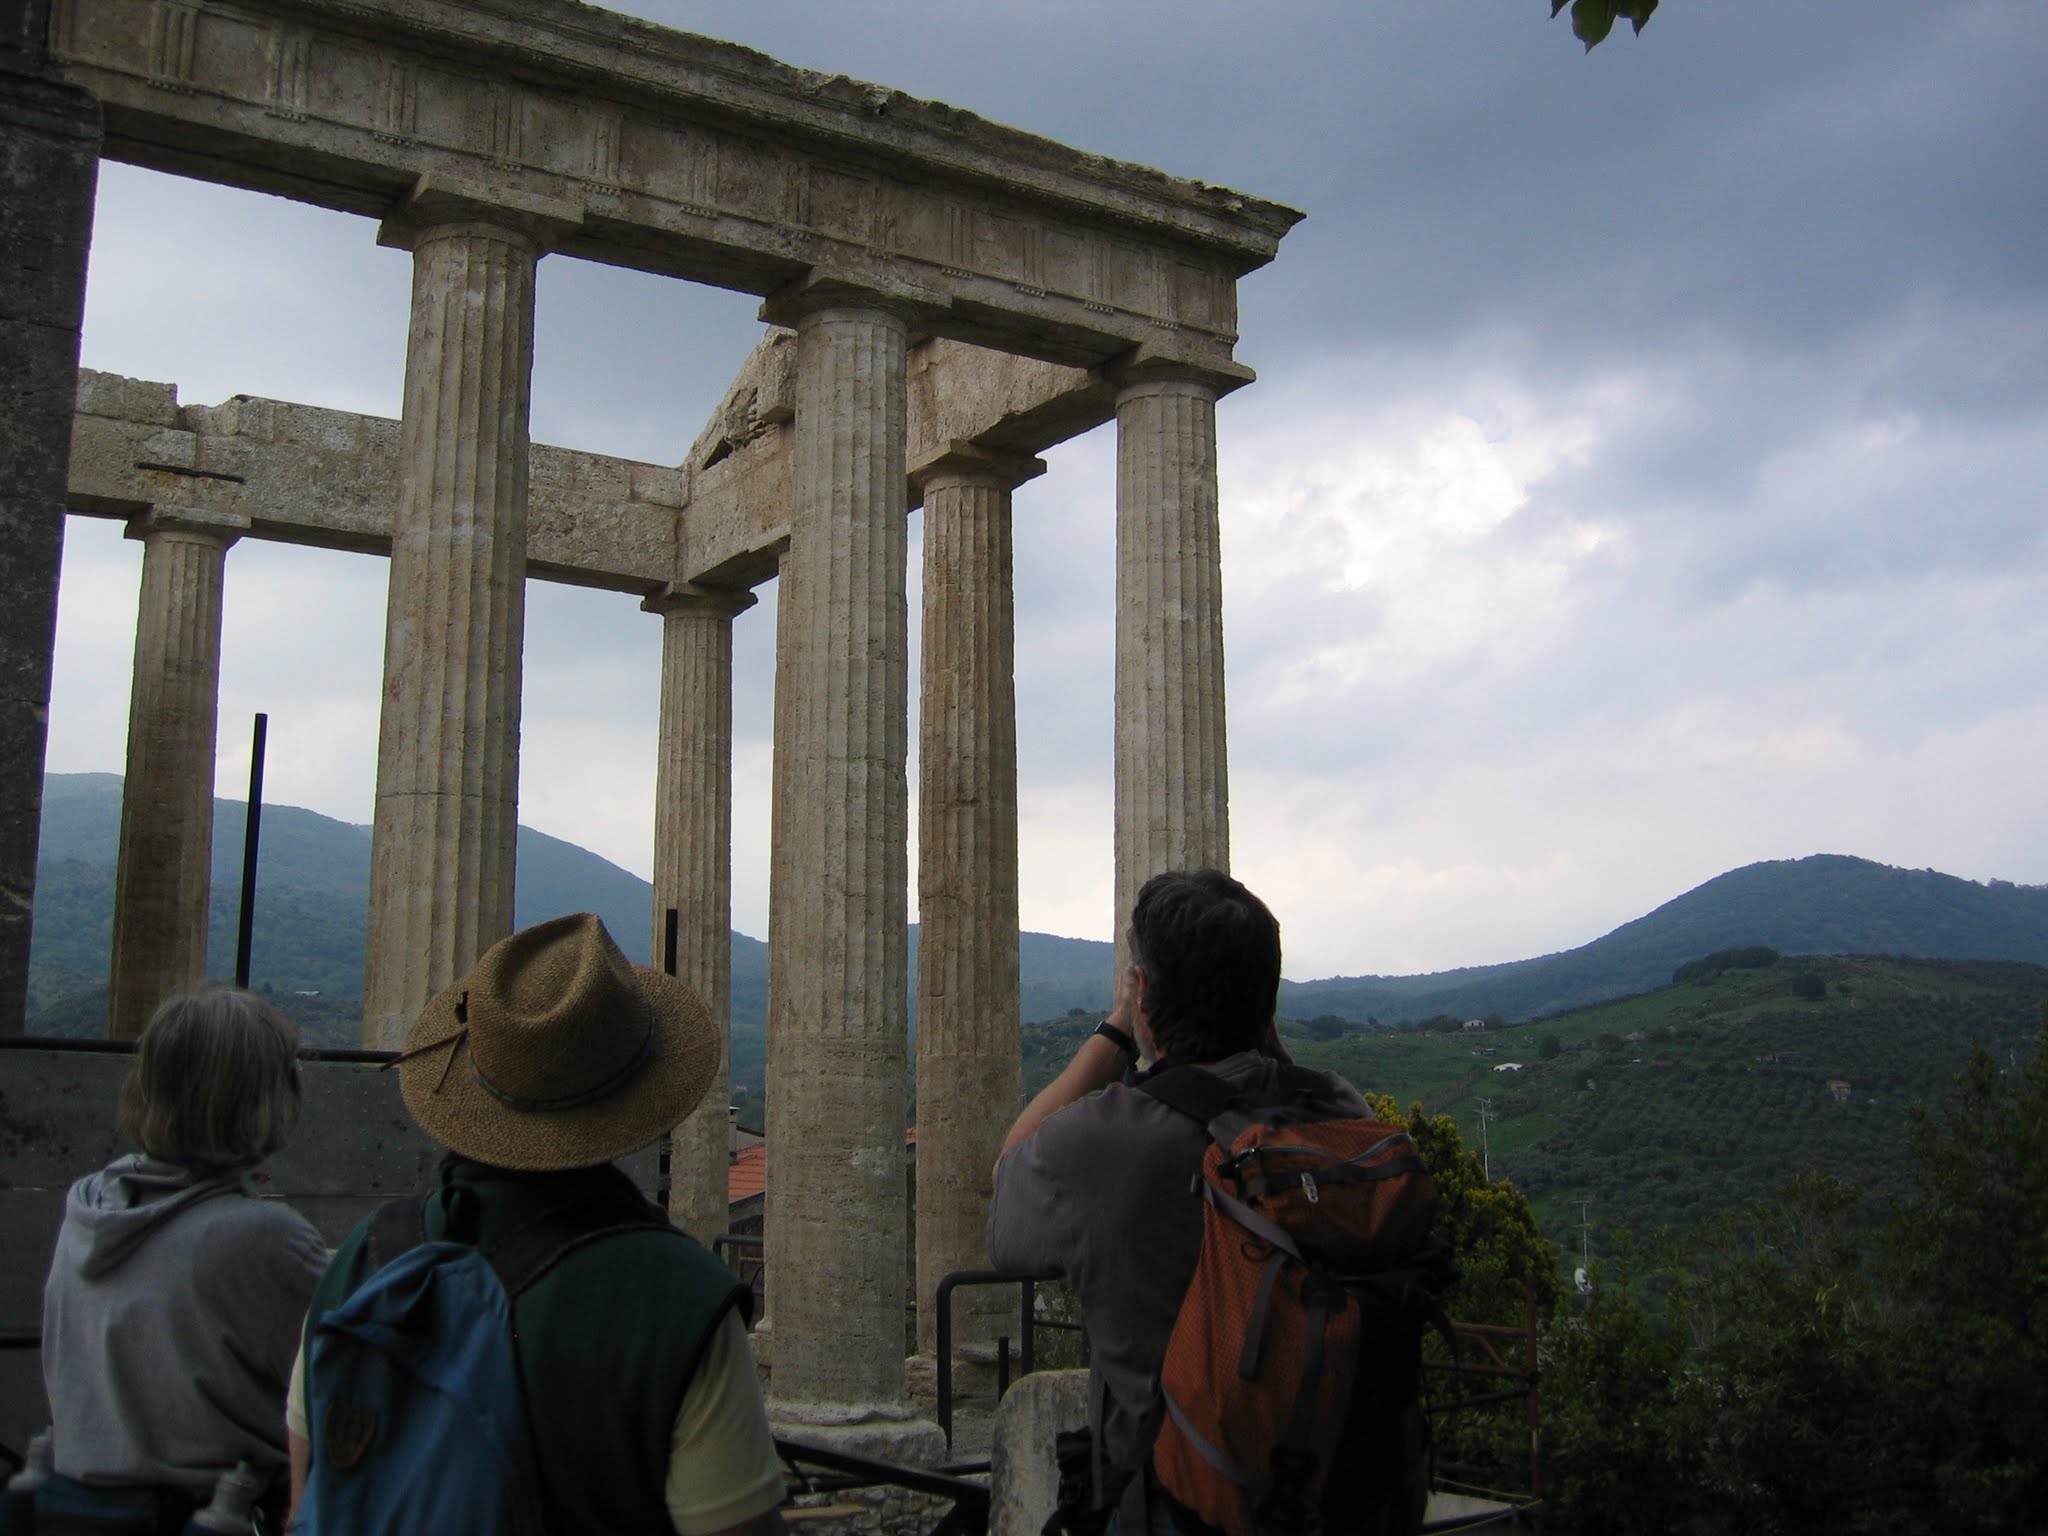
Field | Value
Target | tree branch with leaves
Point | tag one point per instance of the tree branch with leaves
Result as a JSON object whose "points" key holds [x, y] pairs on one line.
{"points": [[1592, 20]]}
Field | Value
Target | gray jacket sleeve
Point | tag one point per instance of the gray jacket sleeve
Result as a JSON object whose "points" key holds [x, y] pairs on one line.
{"points": [[1028, 1220]]}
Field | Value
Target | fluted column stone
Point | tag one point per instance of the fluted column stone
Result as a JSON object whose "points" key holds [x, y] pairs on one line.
{"points": [[836, 1226], [693, 867], [442, 848], [1172, 771], [164, 876], [968, 1072], [49, 167]]}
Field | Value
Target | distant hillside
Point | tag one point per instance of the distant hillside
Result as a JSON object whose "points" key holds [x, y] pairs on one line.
{"points": [[1824, 905], [312, 891], [313, 887], [1667, 1107], [1670, 1106]]}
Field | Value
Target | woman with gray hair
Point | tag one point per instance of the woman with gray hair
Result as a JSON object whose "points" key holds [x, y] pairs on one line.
{"points": [[175, 1294]]}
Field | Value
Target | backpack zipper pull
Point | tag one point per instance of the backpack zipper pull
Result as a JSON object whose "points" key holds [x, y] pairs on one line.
{"points": [[1308, 1187]]}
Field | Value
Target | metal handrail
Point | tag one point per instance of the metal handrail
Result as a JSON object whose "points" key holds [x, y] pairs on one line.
{"points": [[1027, 1328], [968, 1517]]}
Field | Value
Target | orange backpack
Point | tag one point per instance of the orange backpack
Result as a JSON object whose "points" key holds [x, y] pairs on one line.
{"points": [[1292, 1380]]}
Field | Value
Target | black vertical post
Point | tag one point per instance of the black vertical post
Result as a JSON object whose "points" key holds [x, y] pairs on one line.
{"points": [[251, 836], [668, 965]]}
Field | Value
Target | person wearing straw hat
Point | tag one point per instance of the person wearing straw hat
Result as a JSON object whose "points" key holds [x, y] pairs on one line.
{"points": [[552, 1058]]}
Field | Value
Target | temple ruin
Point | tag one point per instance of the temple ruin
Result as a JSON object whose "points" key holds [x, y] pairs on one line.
{"points": [[946, 298]]}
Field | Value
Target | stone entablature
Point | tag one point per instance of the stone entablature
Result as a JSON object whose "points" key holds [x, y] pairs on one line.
{"points": [[304, 474], [641, 146]]}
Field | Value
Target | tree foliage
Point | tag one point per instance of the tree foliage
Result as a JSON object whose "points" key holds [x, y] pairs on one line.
{"points": [[1749, 957], [1488, 1223], [1592, 20], [1793, 1367]]}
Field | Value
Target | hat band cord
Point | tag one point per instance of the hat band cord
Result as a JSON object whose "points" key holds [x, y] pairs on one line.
{"points": [[603, 1090]]}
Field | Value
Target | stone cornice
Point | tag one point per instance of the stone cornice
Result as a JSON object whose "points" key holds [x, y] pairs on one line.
{"points": [[649, 148]]}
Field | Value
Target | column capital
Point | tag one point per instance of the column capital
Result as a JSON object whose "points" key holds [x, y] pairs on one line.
{"points": [[816, 292], [969, 460], [192, 522], [690, 597], [435, 210], [1148, 369]]}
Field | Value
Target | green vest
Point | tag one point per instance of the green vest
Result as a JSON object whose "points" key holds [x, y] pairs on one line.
{"points": [[608, 1341]]}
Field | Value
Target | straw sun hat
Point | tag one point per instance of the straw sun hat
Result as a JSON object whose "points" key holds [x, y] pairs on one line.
{"points": [[556, 1052]]}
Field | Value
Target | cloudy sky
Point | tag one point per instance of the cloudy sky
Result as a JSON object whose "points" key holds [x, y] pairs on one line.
{"points": [[1645, 476]]}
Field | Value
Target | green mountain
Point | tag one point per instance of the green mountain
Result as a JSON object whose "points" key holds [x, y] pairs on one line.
{"points": [[1824, 905], [312, 891], [313, 886]]}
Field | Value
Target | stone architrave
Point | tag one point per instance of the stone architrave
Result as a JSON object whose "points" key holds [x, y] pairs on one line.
{"points": [[693, 866], [1172, 770], [49, 166], [442, 845], [836, 1226], [968, 1074], [165, 872], [694, 158]]}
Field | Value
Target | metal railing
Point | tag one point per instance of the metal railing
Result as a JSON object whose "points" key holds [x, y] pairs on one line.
{"points": [[1493, 1379], [1028, 1324], [814, 1470]]}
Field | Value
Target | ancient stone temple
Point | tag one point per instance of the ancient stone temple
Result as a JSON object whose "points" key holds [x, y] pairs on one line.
{"points": [[946, 298]]}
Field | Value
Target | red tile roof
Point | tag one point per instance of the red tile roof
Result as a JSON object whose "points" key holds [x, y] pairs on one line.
{"points": [[747, 1174]]}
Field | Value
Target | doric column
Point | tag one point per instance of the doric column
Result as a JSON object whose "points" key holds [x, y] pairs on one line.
{"points": [[968, 1074], [448, 745], [49, 164], [1172, 774], [836, 1224], [164, 878], [693, 865]]}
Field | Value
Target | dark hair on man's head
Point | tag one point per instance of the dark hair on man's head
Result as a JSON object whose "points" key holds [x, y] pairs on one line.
{"points": [[215, 1086], [1211, 953]]}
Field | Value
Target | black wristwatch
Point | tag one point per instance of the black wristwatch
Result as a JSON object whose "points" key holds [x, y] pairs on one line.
{"points": [[1121, 1039]]}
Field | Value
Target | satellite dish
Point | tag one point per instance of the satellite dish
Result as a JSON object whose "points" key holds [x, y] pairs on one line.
{"points": [[1583, 1281]]}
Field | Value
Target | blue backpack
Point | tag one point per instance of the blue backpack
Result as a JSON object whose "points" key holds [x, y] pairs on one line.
{"points": [[417, 1416]]}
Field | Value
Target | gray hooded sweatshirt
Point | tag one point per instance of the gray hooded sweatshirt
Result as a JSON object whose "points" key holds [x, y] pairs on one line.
{"points": [[170, 1319]]}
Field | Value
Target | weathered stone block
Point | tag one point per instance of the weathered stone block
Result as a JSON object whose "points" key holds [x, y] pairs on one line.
{"points": [[1023, 1478]]}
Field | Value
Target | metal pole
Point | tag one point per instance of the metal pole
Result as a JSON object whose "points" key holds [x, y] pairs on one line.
{"points": [[251, 836], [944, 1303]]}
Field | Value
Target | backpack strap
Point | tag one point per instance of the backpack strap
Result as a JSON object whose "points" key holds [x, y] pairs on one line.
{"points": [[1299, 1082], [1201, 1095], [529, 1250], [398, 1226], [526, 1253], [1195, 1092]]}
